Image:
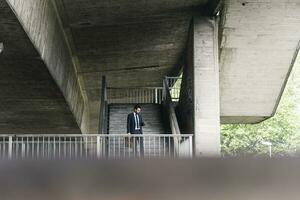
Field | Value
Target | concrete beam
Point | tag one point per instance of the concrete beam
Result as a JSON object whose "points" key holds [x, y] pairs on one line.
{"points": [[258, 43], [41, 22]]}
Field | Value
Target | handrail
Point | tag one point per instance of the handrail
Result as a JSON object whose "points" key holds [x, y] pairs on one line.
{"points": [[135, 95], [94, 146], [88, 135], [112, 88], [169, 108], [103, 108]]}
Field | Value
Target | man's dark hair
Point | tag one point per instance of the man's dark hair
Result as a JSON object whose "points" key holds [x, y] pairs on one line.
{"points": [[137, 106]]}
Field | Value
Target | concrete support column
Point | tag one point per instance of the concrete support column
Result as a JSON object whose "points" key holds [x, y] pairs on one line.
{"points": [[206, 87]]}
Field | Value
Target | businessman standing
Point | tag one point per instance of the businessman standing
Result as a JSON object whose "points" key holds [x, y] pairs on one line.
{"points": [[134, 126]]}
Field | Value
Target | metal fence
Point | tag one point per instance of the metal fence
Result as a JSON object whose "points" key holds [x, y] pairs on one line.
{"points": [[118, 146]]}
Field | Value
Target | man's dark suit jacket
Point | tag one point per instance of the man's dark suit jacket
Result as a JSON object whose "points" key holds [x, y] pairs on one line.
{"points": [[131, 124]]}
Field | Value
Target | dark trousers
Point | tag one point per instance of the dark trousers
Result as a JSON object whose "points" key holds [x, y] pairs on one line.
{"points": [[138, 140]]}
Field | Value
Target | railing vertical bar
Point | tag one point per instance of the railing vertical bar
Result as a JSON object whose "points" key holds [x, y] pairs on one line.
{"points": [[17, 148], [169, 148], [10, 141], [153, 95], [119, 145], [32, 147], [86, 147], [147, 95], [191, 146], [54, 147], [38, 148], [174, 147], [136, 152], [76, 149], [48, 147], [159, 145], [59, 146], [114, 147], [129, 147], [149, 146], [124, 147], [81, 147], [164, 144], [43, 147], [98, 147], [2, 147], [65, 147], [70, 149], [27, 147], [150, 100]]}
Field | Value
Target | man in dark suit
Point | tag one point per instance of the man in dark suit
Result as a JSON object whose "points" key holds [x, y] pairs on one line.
{"points": [[134, 126]]}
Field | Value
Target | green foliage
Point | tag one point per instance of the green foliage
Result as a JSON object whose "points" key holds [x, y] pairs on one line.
{"points": [[282, 130]]}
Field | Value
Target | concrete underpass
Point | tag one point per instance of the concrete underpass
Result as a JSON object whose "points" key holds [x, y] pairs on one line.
{"points": [[235, 58]]}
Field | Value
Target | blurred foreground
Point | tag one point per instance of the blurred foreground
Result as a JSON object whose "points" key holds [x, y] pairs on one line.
{"points": [[156, 179]]}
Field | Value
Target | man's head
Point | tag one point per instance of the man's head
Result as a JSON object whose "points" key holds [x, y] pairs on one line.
{"points": [[137, 108]]}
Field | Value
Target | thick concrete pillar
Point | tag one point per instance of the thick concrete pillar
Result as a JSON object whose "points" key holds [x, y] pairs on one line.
{"points": [[206, 87]]}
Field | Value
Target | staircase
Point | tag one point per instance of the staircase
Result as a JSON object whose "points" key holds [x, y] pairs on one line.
{"points": [[152, 115]]}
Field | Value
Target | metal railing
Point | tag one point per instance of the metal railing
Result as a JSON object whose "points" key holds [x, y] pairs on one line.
{"points": [[135, 95], [169, 111], [118, 146], [144, 94], [174, 84], [103, 108]]}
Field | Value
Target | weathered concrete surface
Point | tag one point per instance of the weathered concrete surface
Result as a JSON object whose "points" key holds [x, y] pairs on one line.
{"points": [[185, 107], [93, 13], [41, 22], [133, 43], [202, 73], [126, 40], [199, 104], [259, 40], [206, 87], [30, 101], [136, 43]]}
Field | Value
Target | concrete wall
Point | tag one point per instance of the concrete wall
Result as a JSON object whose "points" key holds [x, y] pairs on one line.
{"points": [[42, 24], [185, 108], [30, 100]]}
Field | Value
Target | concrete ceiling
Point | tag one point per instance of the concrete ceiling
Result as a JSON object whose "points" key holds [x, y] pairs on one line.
{"points": [[83, 13], [128, 39], [125, 40], [134, 43], [30, 101]]}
